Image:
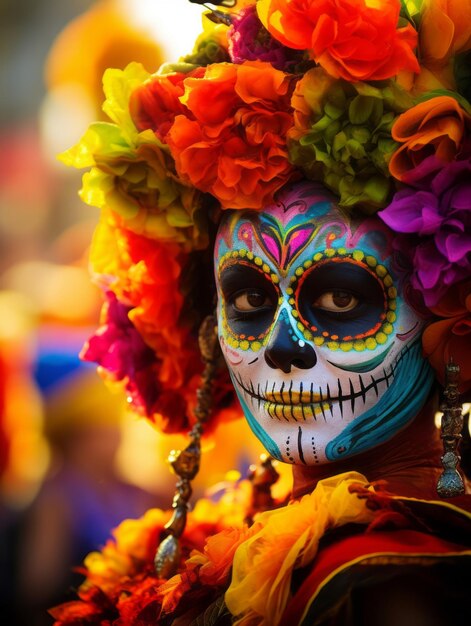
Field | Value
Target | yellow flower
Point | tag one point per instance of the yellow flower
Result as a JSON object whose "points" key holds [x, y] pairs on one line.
{"points": [[134, 543], [132, 173]]}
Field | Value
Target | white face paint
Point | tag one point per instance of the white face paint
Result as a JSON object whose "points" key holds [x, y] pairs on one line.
{"points": [[324, 353]]}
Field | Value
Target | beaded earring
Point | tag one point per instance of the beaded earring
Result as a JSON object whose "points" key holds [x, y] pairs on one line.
{"points": [[451, 483], [185, 463]]}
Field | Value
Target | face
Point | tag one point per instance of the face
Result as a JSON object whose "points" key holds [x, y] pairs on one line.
{"points": [[324, 353]]}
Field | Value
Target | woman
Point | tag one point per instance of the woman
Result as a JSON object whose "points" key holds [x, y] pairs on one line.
{"points": [[324, 313]]}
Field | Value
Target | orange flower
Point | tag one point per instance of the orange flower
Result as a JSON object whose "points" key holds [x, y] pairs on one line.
{"points": [[445, 30], [216, 561], [433, 129], [209, 569], [451, 337], [229, 138], [351, 39]]}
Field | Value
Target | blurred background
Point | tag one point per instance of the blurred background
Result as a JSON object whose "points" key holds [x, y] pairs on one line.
{"points": [[73, 462]]}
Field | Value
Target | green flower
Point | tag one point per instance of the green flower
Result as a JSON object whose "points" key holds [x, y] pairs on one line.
{"points": [[342, 136], [210, 46], [132, 173]]}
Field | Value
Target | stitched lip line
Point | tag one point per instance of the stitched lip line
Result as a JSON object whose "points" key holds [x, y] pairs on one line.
{"points": [[316, 400]]}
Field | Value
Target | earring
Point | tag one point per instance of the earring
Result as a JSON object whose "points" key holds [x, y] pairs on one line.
{"points": [[185, 463], [451, 483]]}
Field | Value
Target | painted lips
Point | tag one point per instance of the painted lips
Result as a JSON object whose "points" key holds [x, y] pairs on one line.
{"points": [[304, 404]]}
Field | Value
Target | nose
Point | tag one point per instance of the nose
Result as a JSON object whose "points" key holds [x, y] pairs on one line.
{"points": [[285, 350]]}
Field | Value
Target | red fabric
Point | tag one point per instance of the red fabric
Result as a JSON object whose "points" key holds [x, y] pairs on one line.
{"points": [[344, 552]]}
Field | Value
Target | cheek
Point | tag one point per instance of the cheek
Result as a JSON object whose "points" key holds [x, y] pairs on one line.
{"points": [[233, 357], [238, 359]]}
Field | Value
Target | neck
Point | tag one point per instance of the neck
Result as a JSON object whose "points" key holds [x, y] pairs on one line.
{"points": [[409, 462]]}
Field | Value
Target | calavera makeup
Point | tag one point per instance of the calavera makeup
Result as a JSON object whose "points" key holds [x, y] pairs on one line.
{"points": [[323, 351]]}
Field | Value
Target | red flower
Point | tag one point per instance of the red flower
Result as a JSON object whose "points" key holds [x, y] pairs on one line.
{"points": [[156, 104], [143, 341], [351, 39]]}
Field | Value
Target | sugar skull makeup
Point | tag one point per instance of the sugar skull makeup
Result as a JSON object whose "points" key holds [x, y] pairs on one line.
{"points": [[324, 353]]}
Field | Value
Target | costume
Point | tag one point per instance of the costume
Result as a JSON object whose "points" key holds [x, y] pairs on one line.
{"points": [[320, 152]]}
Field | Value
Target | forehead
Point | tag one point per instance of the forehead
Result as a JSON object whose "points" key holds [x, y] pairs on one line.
{"points": [[304, 219]]}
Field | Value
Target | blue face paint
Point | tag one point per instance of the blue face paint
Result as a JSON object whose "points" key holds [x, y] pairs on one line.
{"points": [[267, 442], [314, 329], [413, 380]]}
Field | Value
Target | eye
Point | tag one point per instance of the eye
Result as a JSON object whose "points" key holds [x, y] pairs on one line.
{"points": [[251, 300], [341, 298], [336, 300]]}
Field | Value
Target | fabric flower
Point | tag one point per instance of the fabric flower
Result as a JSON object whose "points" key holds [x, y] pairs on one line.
{"points": [[432, 133], [144, 274], [450, 337], [342, 136], [211, 45], [351, 39], [440, 220], [132, 173], [235, 147], [444, 38], [121, 585], [119, 349], [445, 30], [249, 40]]}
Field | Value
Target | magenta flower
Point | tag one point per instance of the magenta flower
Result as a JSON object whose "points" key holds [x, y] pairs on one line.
{"points": [[120, 350], [249, 40], [436, 226]]}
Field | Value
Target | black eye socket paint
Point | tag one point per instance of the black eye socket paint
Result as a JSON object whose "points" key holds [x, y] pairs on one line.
{"points": [[242, 278], [342, 277], [239, 277]]}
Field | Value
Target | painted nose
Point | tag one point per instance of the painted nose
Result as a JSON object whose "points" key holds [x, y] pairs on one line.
{"points": [[285, 350]]}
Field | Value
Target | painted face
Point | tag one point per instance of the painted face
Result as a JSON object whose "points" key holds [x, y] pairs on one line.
{"points": [[324, 353]]}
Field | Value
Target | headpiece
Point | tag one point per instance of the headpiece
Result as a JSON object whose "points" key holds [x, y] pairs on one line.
{"points": [[361, 96]]}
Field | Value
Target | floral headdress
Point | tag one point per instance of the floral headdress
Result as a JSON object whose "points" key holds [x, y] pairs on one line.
{"points": [[369, 97]]}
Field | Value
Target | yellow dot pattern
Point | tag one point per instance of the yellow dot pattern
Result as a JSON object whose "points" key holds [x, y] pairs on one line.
{"points": [[234, 340], [368, 341], [379, 334]]}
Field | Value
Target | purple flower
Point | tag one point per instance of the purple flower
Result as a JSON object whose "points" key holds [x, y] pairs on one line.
{"points": [[436, 222], [119, 349], [248, 40]]}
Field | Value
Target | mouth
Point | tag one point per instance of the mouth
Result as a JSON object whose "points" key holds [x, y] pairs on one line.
{"points": [[301, 402]]}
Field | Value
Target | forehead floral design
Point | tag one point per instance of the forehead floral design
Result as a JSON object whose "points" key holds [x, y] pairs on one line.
{"points": [[360, 95]]}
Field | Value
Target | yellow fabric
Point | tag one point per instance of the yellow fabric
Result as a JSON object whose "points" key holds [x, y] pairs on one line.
{"points": [[287, 539]]}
